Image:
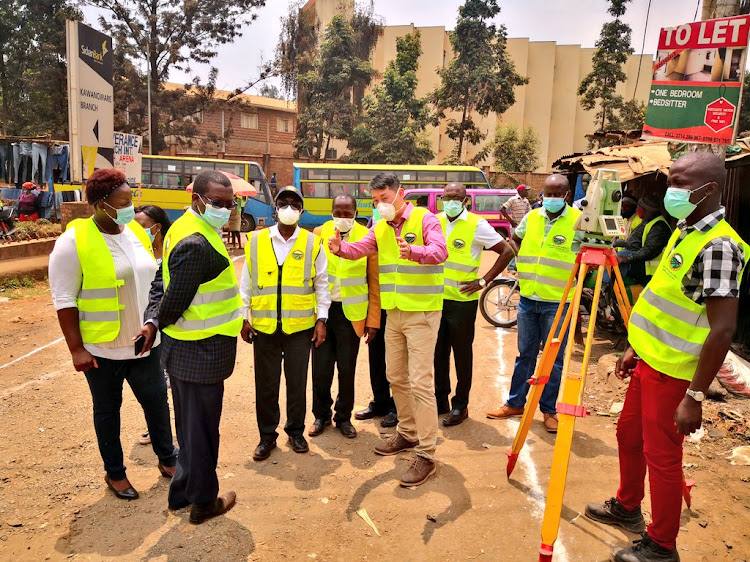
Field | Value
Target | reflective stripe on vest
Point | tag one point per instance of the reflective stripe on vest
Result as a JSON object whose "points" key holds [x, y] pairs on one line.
{"points": [[405, 284], [350, 274], [461, 265], [98, 302], [651, 265], [667, 329], [545, 261], [216, 307], [298, 304]]}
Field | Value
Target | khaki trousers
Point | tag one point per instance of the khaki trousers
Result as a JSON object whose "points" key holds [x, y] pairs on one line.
{"points": [[410, 339]]}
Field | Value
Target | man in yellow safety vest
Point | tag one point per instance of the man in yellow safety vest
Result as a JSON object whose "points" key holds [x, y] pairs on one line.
{"points": [[466, 235], [354, 312], [284, 288], [548, 247], [411, 250], [680, 330]]}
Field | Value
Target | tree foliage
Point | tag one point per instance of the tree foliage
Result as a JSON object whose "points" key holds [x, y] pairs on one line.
{"points": [[326, 110], [297, 47], [168, 35], [480, 78], [392, 128], [515, 150], [270, 91], [598, 87], [33, 73]]}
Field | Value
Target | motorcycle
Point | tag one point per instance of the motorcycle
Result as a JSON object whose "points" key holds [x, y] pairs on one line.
{"points": [[7, 222]]}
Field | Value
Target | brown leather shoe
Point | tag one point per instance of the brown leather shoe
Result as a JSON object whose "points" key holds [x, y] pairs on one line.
{"points": [[505, 412], [167, 471], [394, 445], [550, 423], [419, 471], [222, 504]]}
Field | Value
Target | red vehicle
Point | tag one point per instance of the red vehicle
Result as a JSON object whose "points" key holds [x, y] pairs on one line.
{"points": [[484, 202]]}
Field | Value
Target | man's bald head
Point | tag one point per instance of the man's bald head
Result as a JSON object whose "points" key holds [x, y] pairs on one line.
{"points": [[556, 185], [455, 189], [701, 168]]}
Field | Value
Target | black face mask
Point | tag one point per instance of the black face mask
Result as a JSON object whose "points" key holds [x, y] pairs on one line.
{"points": [[628, 214]]}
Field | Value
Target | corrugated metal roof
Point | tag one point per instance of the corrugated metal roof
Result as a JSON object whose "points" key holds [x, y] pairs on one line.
{"points": [[631, 160]]}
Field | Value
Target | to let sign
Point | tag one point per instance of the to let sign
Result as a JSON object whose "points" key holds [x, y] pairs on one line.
{"points": [[697, 81]]}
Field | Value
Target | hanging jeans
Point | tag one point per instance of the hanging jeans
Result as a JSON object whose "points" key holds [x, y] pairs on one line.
{"points": [[38, 152], [59, 157], [22, 152], [4, 163]]}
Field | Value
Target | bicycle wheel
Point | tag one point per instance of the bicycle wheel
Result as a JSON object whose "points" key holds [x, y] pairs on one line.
{"points": [[499, 303]]}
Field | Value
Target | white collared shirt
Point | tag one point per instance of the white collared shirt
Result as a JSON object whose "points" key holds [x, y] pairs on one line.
{"points": [[485, 236], [281, 248]]}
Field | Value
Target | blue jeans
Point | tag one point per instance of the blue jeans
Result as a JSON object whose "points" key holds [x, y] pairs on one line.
{"points": [[534, 324]]}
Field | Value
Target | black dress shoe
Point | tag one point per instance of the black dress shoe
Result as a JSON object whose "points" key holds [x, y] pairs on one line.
{"points": [[318, 427], [390, 420], [298, 443], [366, 414], [347, 429], [219, 506], [455, 417], [127, 494], [263, 450], [443, 407]]}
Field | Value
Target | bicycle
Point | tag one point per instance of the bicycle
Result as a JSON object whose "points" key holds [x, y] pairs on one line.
{"points": [[499, 300]]}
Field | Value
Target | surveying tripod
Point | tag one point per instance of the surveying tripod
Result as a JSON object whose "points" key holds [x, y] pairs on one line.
{"points": [[570, 405]]}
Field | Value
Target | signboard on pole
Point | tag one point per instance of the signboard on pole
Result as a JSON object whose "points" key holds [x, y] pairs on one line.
{"points": [[127, 156], [697, 81], [90, 99]]}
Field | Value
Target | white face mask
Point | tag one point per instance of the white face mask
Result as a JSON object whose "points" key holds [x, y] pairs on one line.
{"points": [[288, 215], [387, 211], [343, 225]]}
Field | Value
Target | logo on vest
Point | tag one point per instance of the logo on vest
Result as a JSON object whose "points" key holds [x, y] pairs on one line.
{"points": [[410, 237], [559, 240], [297, 255], [675, 262], [458, 243], [167, 243]]}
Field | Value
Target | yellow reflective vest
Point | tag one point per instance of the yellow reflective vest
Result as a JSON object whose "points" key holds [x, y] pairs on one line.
{"points": [[461, 265], [652, 265], [287, 295], [351, 274], [98, 302], [405, 284], [216, 308], [667, 329], [544, 260]]}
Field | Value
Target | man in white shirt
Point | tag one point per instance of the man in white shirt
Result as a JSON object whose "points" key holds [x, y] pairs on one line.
{"points": [[517, 207], [285, 291]]}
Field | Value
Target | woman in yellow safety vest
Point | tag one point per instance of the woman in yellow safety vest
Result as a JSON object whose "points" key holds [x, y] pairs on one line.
{"points": [[100, 273]]}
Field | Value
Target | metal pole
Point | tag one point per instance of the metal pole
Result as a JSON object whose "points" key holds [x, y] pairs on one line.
{"points": [[148, 71]]}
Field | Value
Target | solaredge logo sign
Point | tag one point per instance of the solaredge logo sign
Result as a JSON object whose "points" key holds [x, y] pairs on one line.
{"points": [[98, 56]]}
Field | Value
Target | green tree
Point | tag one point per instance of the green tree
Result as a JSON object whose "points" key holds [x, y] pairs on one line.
{"points": [[392, 128], [270, 91], [33, 73], [598, 87], [514, 150], [480, 78], [326, 109], [169, 35]]}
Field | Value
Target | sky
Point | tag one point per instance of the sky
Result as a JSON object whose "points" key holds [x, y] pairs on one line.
{"points": [[563, 21]]}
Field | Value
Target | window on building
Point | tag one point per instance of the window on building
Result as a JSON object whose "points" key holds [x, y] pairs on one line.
{"points": [[196, 117], [284, 125], [249, 121]]}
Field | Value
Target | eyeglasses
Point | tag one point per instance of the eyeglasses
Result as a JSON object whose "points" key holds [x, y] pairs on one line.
{"points": [[220, 204]]}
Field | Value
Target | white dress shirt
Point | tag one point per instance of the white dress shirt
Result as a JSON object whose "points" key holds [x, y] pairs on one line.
{"points": [[485, 237], [133, 264], [281, 248]]}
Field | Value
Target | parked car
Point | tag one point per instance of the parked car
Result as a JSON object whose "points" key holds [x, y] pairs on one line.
{"points": [[484, 202]]}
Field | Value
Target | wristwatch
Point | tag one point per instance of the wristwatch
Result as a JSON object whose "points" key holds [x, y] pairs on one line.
{"points": [[696, 395], [482, 282]]}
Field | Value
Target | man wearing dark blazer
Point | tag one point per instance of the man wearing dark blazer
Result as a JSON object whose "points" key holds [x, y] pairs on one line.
{"points": [[199, 310]]}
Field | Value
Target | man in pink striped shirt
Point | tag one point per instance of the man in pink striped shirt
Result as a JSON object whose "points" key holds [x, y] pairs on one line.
{"points": [[411, 250]]}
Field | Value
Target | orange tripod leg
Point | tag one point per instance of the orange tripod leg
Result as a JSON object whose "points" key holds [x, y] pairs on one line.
{"points": [[541, 376]]}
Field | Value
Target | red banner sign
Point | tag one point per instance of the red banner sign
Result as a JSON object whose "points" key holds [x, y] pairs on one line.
{"points": [[718, 33]]}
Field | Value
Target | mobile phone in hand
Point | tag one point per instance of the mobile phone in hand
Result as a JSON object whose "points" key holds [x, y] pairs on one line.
{"points": [[140, 341]]}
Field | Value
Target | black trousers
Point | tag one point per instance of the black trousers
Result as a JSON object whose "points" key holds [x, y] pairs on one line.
{"points": [[269, 351], [197, 412], [149, 388], [456, 333], [382, 401], [340, 351]]}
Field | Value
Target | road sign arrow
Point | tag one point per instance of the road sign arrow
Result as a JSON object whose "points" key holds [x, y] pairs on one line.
{"points": [[96, 130]]}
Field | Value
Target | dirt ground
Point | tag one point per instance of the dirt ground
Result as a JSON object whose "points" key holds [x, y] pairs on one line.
{"points": [[54, 504]]}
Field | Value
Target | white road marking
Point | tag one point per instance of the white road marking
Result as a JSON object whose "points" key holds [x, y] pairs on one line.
{"points": [[30, 353], [536, 499], [235, 258]]}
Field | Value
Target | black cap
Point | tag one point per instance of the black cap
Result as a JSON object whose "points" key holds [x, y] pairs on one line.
{"points": [[290, 189]]}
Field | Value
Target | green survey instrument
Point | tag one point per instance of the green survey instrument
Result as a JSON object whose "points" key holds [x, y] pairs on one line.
{"points": [[600, 218]]}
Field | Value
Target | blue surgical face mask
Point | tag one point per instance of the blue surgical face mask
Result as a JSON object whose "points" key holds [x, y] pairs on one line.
{"points": [[554, 204], [453, 208], [215, 216], [677, 201], [150, 235], [124, 215]]}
